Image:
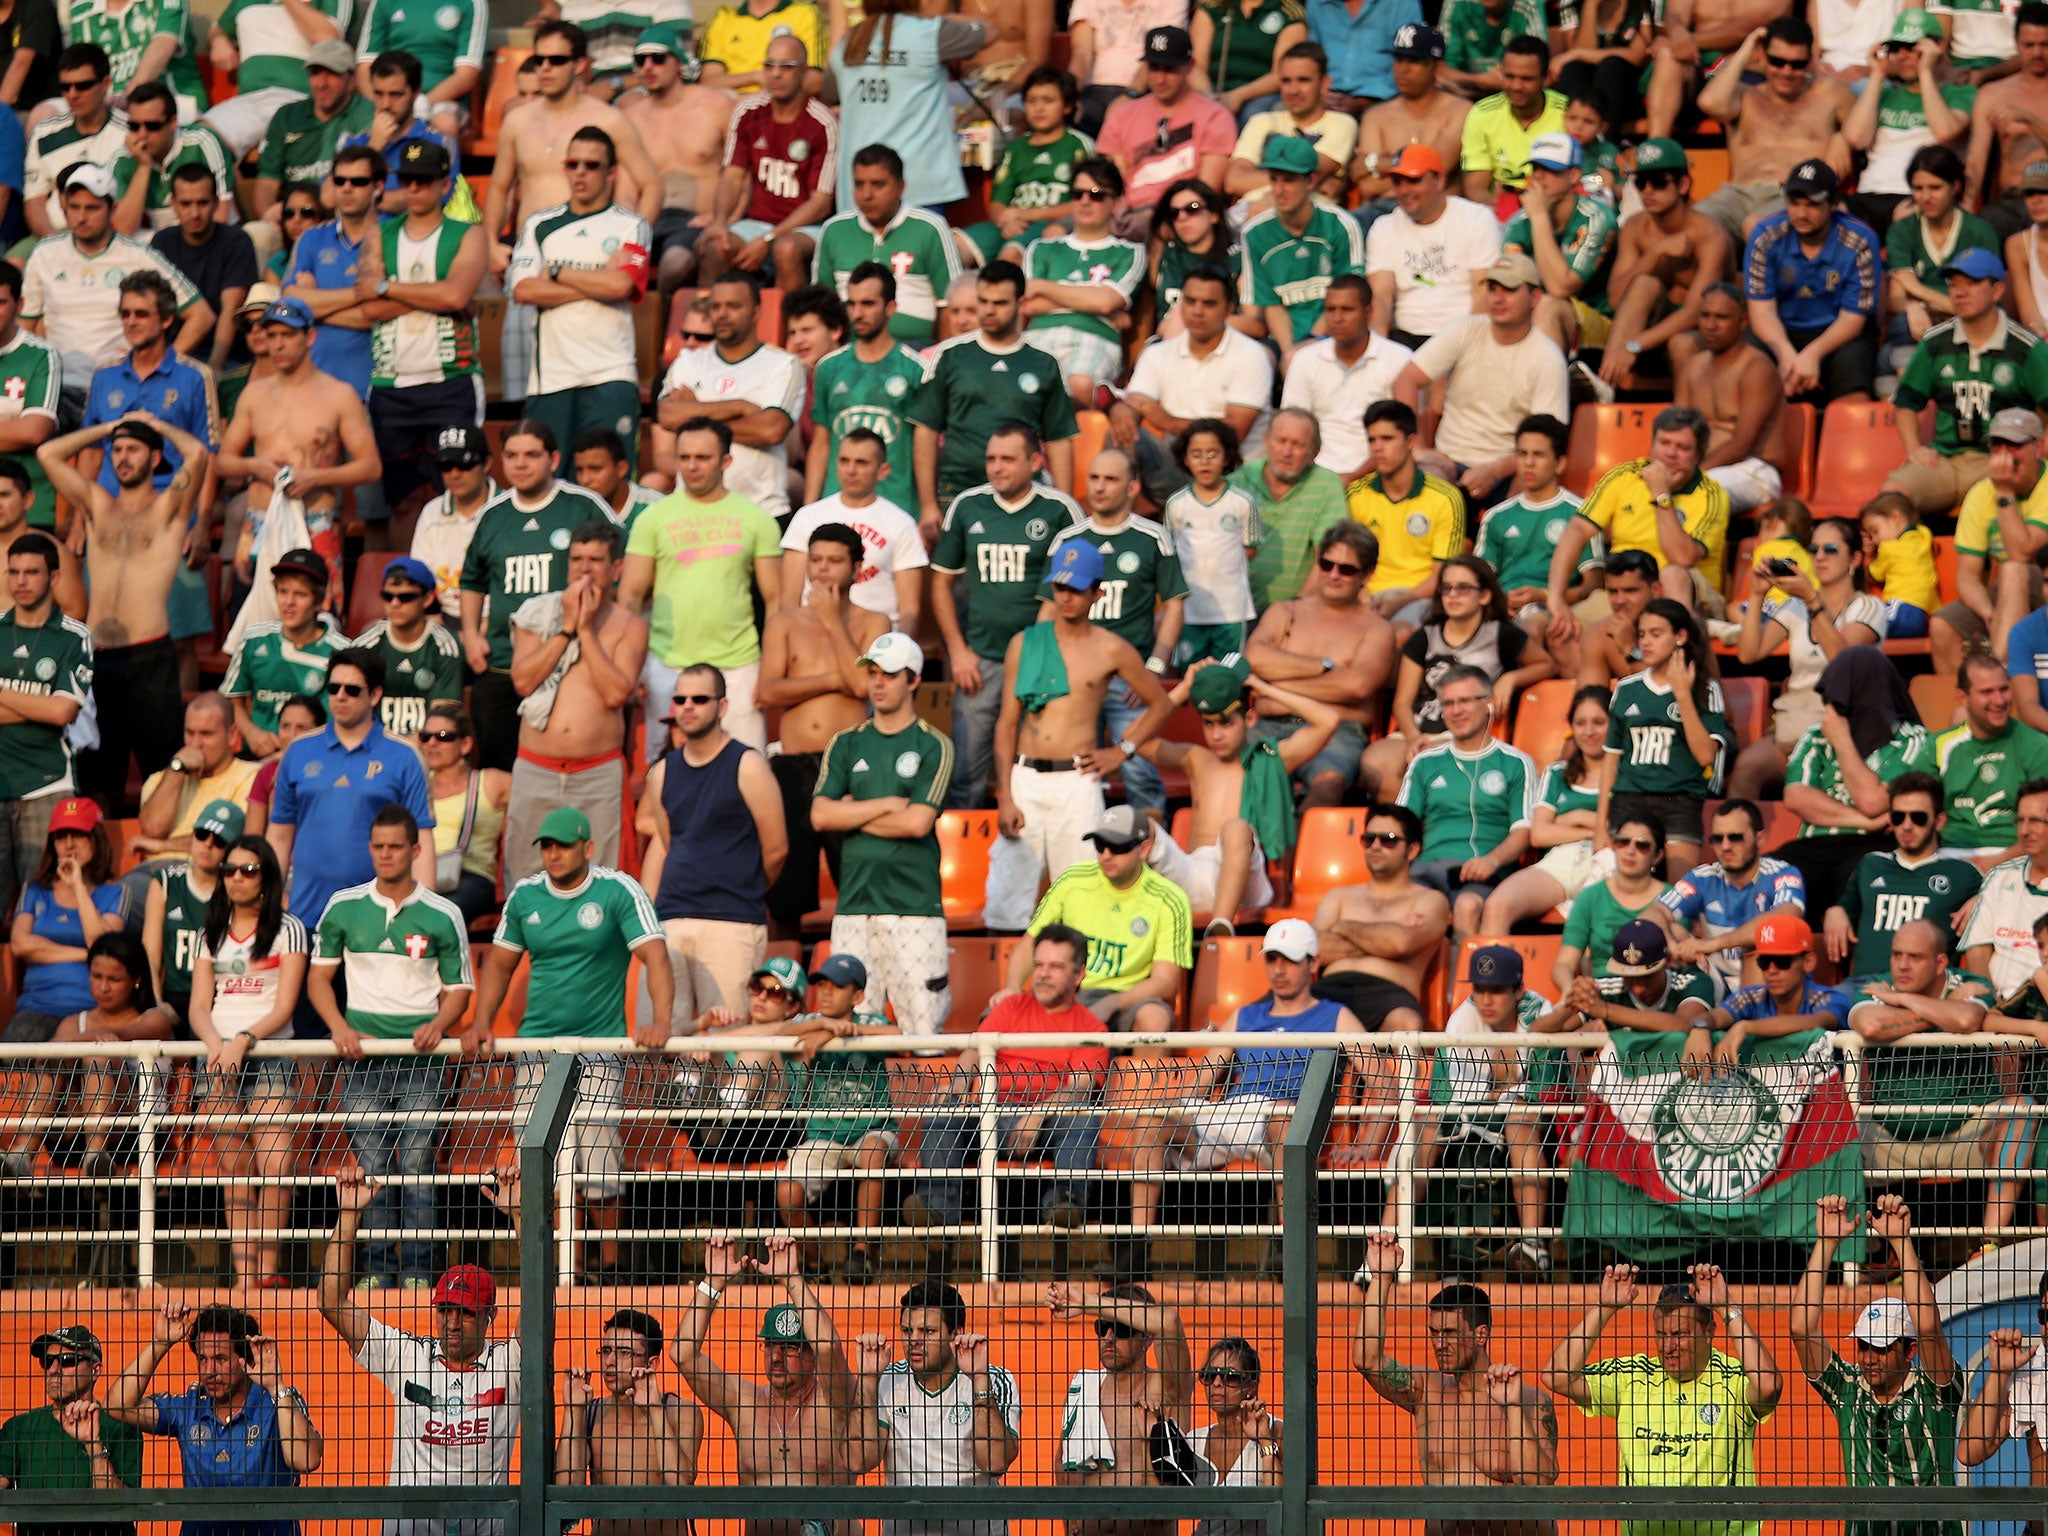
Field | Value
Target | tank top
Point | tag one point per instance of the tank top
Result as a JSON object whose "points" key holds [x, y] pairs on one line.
{"points": [[481, 857], [420, 347], [713, 871], [901, 101], [1483, 650], [1277, 1074]]}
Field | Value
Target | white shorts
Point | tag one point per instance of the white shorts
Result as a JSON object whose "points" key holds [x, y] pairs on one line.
{"points": [[818, 1164], [743, 718], [906, 959], [744, 230], [1575, 866], [592, 1147], [1750, 484], [1197, 872], [242, 120], [1059, 810], [1231, 1130], [1082, 354]]}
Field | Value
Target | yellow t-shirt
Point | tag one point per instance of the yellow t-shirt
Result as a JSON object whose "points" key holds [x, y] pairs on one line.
{"points": [[231, 783], [738, 39], [1495, 141], [1784, 549], [1695, 1434], [1416, 532], [1622, 509], [1903, 568], [1977, 518]]}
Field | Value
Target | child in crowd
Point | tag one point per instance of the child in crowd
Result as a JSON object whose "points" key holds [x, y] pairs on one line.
{"points": [[1585, 119], [1783, 531], [1028, 200], [1215, 528], [1901, 556]]}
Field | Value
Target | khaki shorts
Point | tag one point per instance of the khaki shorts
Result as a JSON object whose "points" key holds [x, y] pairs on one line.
{"points": [[1937, 489], [1791, 714], [1575, 866], [1593, 326], [817, 1164], [1962, 618], [592, 1146], [1962, 1150]]}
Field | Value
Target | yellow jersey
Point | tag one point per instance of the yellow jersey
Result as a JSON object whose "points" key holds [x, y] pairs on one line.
{"points": [[1903, 568], [1622, 509], [1423, 527]]}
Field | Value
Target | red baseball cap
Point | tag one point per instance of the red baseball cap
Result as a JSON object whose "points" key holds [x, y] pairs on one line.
{"points": [[1416, 160], [75, 814], [1783, 933], [467, 1285]]}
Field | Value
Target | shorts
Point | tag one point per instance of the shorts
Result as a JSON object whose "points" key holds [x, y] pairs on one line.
{"points": [[1574, 866], [1732, 203], [1211, 640], [1750, 484], [818, 1164], [1124, 1019], [1937, 489], [1593, 326], [1197, 872], [1961, 1150], [1962, 618], [675, 230], [243, 117], [591, 1146], [1340, 754], [1905, 621], [1231, 1130], [1442, 875], [28, 1027], [1791, 713], [1849, 369], [1371, 998], [1680, 815], [407, 423], [760, 229], [1081, 354], [261, 1077]]}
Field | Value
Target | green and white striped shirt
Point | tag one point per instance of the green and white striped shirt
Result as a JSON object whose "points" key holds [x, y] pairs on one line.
{"points": [[1909, 1442], [400, 959]]}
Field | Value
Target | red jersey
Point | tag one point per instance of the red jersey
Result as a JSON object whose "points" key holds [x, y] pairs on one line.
{"points": [[785, 162], [1027, 1076]]}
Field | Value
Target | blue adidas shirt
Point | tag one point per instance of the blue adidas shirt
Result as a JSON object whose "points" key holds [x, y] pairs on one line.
{"points": [[331, 793], [1810, 291], [176, 391], [241, 1451], [327, 257]]}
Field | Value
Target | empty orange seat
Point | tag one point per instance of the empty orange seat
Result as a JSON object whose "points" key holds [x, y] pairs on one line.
{"points": [[1709, 171], [1859, 447], [1602, 437], [1228, 972], [1936, 697], [1327, 854], [1093, 435], [965, 839], [1795, 464], [1543, 718], [1749, 707]]}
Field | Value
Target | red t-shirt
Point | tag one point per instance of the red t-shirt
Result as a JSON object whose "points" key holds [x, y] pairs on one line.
{"points": [[1027, 1076], [1158, 146], [785, 162]]}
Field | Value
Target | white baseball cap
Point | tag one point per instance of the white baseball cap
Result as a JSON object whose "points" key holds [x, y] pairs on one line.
{"points": [[1291, 937], [895, 652], [1884, 1322]]}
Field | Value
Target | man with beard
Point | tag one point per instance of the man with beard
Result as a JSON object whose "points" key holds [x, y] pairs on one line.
{"points": [[636, 1434], [1376, 937], [1909, 882], [867, 383], [1105, 1437]]}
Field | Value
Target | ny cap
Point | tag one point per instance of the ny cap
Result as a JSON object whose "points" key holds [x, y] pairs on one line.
{"points": [[564, 824], [1783, 933], [1496, 965], [894, 651], [1292, 938], [1814, 180], [1640, 949], [1169, 47], [1416, 41]]}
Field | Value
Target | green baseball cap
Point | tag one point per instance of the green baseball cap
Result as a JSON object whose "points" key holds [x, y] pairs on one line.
{"points": [[1290, 154], [75, 1340], [662, 38], [223, 818], [1913, 25], [783, 1324], [1219, 685], [564, 824], [1661, 155], [786, 974]]}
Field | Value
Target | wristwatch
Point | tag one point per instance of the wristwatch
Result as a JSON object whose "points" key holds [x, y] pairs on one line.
{"points": [[383, 286], [1632, 347], [1124, 746], [1156, 665], [1329, 665], [177, 765], [1663, 499], [554, 271]]}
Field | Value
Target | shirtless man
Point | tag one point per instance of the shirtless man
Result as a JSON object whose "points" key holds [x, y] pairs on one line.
{"points": [[1105, 1439], [304, 434], [1477, 1423], [1377, 939], [1419, 112], [1664, 259], [2012, 114], [1689, 31], [636, 1435], [810, 670], [1735, 387], [1328, 646], [1048, 768], [1020, 40], [683, 126], [1795, 115], [134, 539], [1609, 652], [796, 1429], [1231, 836], [572, 714]]}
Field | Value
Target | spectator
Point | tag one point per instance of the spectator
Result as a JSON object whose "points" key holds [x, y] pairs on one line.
{"points": [[1602, 910], [284, 657], [1191, 229], [299, 137], [1417, 519], [2003, 517], [1328, 623], [2009, 1401], [324, 264], [1176, 129], [35, 636], [1998, 941], [301, 715], [995, 549], [1666, 770], [1981, 46], [1742, 396], [1907, 883], [1427, 259], [1901, 559], [1208, 368], [1498, 368], [1667, 258], [1298, 501], [1824, 347], [1570, 237], [1643, 997], [1030, 196], [1998, 120], [1357, 40], [28, 73], [866, 386], [1518, 535], [1662, 505], [1494, 157], [216, 257], [31, 385], [781, 172], [1304, 72], [1079, 287], [1475, 33], [1294, 248], [604, 468], [1215, 530], [175, 907], [395, 89], [86, 131], [739, 38], [1242, 72], [1379, 938], [469, 811], [1983, 762], [446, 525], [1713, 912], [206, 769], [448, 49], [1786, 1006], [1795, 140], [899, 97], [71, 1442], [605, 1441], [975, 385], [1337, 377], [1420, 112], [888, 574], [924, 1436], [881, 225], [1562, 824], [1913, 159], [155, 150], [122, 1010], [1607, 62], [715, 799], [422, 660]]}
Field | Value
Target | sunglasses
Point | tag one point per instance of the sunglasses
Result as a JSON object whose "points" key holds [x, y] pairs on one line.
{"points": [[1187, 208], [1779, 61], [1643, 843], [440, 736], [1093, 195], [1339, 567], [585, 165], [698, 699], [353, 690], [247, 871], [1777, 962], [1916, 818], [1727, 837], [354, 181], [415, 179], [1384, 839], [150, 125], [689, 335], [546, 59], [1224, 1376], [201, 835], [1828, 549], [401, 597], [72, 87], [1461, 586], [301, 213], [64, 1362], [1105, 1329], [766, 987], [1656, 181]]}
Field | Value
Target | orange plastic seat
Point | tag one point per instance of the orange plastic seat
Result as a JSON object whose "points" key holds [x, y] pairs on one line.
{"points": [[1709, 171], [365, 593], [1859, 447], [1543, 718], [1936, 698], [1228, 973], [1749, 707], [1945, 567], [1093, 435], [1538, 952], [1795, 464], [1602, 437], [975, 967], [502, 88], [965, 840], [1327, 854]]}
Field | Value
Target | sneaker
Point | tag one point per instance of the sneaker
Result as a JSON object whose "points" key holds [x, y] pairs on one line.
{"points": [[1727, 631], [860, 1267], [1529, 1257], [1220, 928], [918, 1212], [374, 1282], [417, 1283], [1602, 390], [16, 1165]]}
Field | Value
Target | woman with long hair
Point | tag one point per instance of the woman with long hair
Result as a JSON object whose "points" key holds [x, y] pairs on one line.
{"points": [[117, 971], [1190, 228], [469, 810], [1667, 734], [894, 91], [1567, 811], [246, 980], [1242, 1444], [1637, 842], [300, 715]]}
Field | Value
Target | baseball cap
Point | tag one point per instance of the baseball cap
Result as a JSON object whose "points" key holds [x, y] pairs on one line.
{"points": [[661, 38], [1219, 685], [1077, 565], [1496, 965], [96, 179], [1416, 41], [783, 1324], [785, 973], [2014, 424], [334, 56], [564, 824], [296, 313], [1289, 154], [461, 447], [1169, 47], [1976, 262], [1639, 949], [141, 432], [1814, 180], [1514, 270], [1661, 155], [75, 813], [259, 298], [223, 818], [300, 562], [894, 651], [423, 157], [466, 1285], [1416, 160], [1912, 25], [1556, 152], [1293, 938], [2035, 177], [1783, 933], [77, 1339], [418, 572], [841, 971], [1884, 1322], [1119, 828]]}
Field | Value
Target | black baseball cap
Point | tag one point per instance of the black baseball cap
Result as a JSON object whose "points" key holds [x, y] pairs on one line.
{"points": [[1417, 41], [461, 447], [1814, 180], [1169, 47], [300, 562], [423, 157]]}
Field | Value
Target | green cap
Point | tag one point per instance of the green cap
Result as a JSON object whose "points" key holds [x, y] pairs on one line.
{"points": [[75, 1340], [786, 974], [1913, 25], [1290, 154], [223, 818], [661, 38], [1219, 685], [783, 1324], [564, 824], [1661, 155]]}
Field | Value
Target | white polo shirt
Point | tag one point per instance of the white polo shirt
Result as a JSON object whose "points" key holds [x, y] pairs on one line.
{"points": [[766, 378], [1337, 396], [1237, 371]]}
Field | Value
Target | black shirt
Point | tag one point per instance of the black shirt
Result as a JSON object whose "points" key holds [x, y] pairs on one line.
{"points": [[226, 261], [32, 24]]}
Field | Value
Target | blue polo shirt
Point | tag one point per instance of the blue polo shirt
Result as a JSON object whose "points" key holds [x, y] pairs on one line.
{"points": [[1361, 63], [329, 257], [420, 130], [175, 391], [1811, 291], [13, 161], [1746, 1003], [332, 793], [242, 1451], [2026, 649]]}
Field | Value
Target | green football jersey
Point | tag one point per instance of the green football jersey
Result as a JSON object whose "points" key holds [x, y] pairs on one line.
{"points": [[184, 926], [1474, 41], [1517, 538], [915, 245], [414, 677], [1981, 781], [1969, 386], [439, 33], [846, 1092], [1980, 32], [1294, 271], [52, 657], [272, 47], [1034, 176], [298, 147], [1140, 570], [521, 551], [269, 669], [970, 389], [1563, 796], [1885, 894], [848, 393], [1651, 1049], [127, 36], [1469, 802], [1813, 763], [1928, 1075], [1109, 263], [1587, 241], [1596, 917], [1906, 1441], [1644, 731], [580, 941], [889, 876], [198, 145], [31, 380], [1003, 552], [397, 961]]}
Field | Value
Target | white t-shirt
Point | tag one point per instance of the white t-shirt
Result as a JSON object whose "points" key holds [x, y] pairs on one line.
{"points": [[452, 1427], [2004, 919], [585, 341], [2028, 1399], [1433, 264], [1808, 659], [767, 378], [244, 987], [78, 297], [1120, 28], [931, 1434], [441, 539], [1492, 387], [1210, 538], [1844, 31], [1238, 371], [1337, 396], [889, 536]]}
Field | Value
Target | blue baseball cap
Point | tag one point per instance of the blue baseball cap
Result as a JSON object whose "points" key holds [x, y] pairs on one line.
{"points": [[1496, 966], [418, 572], [1078, 565], [296, 313], [1640, 949], [842, 971], [1976, 262]]}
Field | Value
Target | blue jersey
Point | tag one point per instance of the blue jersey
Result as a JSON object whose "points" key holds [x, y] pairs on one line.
{"points": [[243, 1451], [331, 793], [416, 129], [328, 257], [1706, 896], [1756, 1003], [2026, 649], [1277, 1074], [176, 391], [1810, 291]]}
